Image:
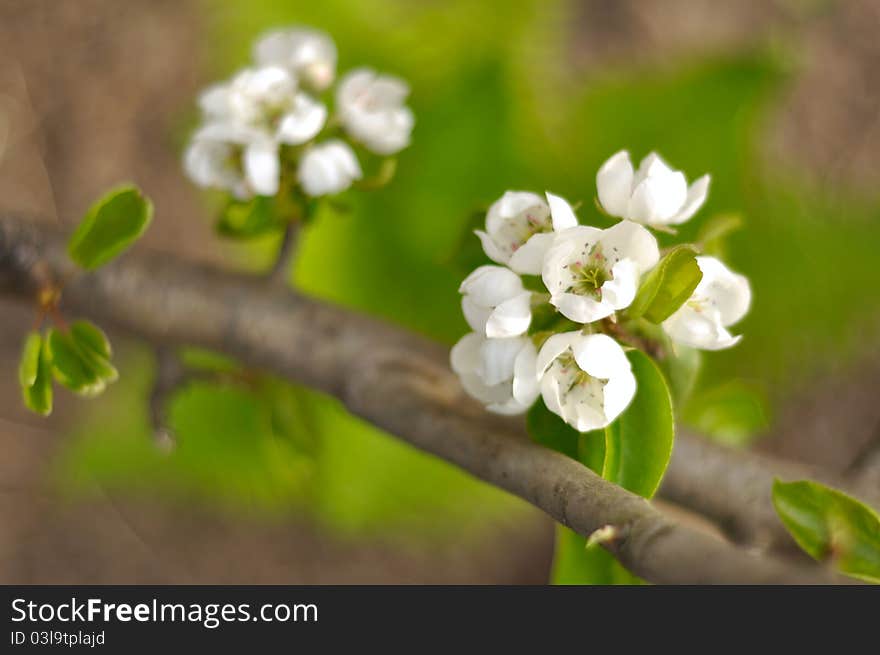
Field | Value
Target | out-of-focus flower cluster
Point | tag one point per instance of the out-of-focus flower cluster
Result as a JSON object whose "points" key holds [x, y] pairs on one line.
{"points": [[549, 319], [268, 126]]}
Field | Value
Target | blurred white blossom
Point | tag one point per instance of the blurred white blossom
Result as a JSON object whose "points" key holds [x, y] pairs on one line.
{"points": [[328, 168], [721, 299], [500, 373], [308, 54], [591, 273], [585, 379], [519, 229], [372, 110], [495, 302], [234, 158], [654, 194]]}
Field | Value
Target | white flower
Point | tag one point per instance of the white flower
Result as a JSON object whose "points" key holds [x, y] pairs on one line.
{"points": [[371, 109], [240, 160], [591, 273], [310, 55], [585, 379], [500, 373], [266, 99], [654, 194], [328, 168], [520, 226], [721, 299], [495, 302]]}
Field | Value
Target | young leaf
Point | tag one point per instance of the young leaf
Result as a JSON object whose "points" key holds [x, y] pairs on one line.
{"points": [[71, 368], [667, 286], [91, 337], [111, 225], [248, 219], [29, 365], [38, 395], [575, 564], [639, 443], [830, 525]]}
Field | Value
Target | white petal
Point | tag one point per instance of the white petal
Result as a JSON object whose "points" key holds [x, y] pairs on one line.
{"points": [[553, 348], [696, 196], [658, 198], [525, 378], [600, 356], [620, 290], [465, 354], [529, 258], [628, 240], [304, 122], [497, 359], [728, 291], [619, 392], [581, 309], [566, 245], [262, 167], [492, 251], [512, 204], [614, 182], [552, 398], [475, 314], [511, 318], [491, 285], [702, 330], [561, 213]]}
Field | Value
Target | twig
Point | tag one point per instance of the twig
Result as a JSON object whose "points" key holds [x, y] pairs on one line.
{"points": [[399, 382], [280, 271]]}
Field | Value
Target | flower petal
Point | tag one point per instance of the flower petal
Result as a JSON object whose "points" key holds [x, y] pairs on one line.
{"points": [[511, 318], [262, 167], [619, 392], [304, 122], [628, 240], [491, 285], [553, 348], [620, 290], [525, 379], [729, 292], [497, 357], [614, 182], [529, 258], [581, 309], [658, 198], [475, 314], [696, 196], [600, 356], [491, 249], [561, 213], [465, 354]]}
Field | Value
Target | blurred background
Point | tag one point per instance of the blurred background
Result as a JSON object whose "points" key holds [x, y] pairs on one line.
{"points": [[778, 99]]}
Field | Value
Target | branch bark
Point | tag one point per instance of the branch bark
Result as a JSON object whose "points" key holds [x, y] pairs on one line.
{"points": [[402, 383]]}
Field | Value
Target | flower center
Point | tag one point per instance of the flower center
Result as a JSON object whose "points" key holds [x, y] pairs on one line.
{"points": [[577, 385], [587, 277]]}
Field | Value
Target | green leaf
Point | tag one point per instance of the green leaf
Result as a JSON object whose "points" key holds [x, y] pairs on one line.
{"points": [[549, 430], [575, 564], [29, 366], [639, 443], [111, 225], [38, 395], [829, 525], [71, 368], [91, 337], [248, 219], [668, 285], [734, 412]]}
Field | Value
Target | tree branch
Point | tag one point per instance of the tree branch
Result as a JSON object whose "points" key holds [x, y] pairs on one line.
{"points": [[401, 383]]}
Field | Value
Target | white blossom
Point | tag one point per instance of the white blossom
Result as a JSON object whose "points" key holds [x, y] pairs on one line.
{"points": [[308, 54], [328, 168], [234, 158], [591, 273], [585, 379], [495, 303], [500, 373], [519, 229], [371, 108], [721, 299], [265, 99], [654, 194]]}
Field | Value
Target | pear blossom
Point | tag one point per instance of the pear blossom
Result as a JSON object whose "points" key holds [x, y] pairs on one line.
{"points": [[308, 54], [328, 168], [495, 303], [591, 273], [500, 373], [585, 379], [721, 299], [654, 194], [265, 99], [235, 158], [520, 226], [371, 109]]}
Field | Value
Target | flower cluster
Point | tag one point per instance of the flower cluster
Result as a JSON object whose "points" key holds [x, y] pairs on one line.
{"points": [[559, 335], [267, 126]]}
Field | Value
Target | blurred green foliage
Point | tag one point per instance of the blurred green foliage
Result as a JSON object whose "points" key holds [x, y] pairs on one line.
{"points": [[499, 105]]}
